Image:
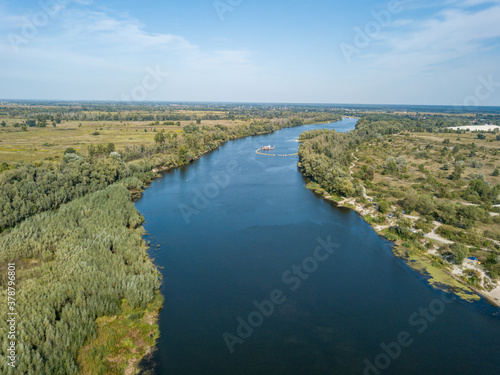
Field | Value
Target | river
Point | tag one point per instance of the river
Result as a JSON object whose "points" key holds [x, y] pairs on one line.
{"points": [[263, 277]]}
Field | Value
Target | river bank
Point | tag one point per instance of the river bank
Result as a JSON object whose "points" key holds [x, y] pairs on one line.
{"points": [[418, 242], [437, 277]]}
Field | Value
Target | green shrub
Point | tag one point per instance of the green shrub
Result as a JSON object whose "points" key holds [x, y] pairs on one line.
{"points": [[383, 206], [460, 252]]}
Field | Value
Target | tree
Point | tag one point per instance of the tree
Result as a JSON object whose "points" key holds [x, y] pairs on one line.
{"points": [[383, 206], [110, 148], [457, 173], [344, 186], [160, 138], [70, 150], [91, 150], [31, 122], [4, 124], [425, 204], [481, 136], [403, 226], [410, 201], [369, 174], [191, 128], [496, 172], [460, 252]]}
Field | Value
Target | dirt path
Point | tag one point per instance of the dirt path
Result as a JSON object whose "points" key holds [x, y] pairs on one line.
{"points": [[366, 196], [456, 270], [436, 237], [353, 164]]}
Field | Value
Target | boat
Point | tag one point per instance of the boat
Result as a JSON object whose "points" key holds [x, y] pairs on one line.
{"points": [[267, 148]]}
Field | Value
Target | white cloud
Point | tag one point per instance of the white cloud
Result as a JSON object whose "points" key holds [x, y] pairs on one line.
{"points": [[113, 32], [451, 36], [85, 49]]}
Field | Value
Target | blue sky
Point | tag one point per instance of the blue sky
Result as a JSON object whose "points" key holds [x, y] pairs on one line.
{"points": [[309, 51]]}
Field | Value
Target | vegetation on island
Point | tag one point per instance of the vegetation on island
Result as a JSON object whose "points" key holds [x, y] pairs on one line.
{"points": [[432, 190]]}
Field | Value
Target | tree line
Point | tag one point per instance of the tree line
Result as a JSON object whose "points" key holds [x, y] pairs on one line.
{"points": [[31, 188]]}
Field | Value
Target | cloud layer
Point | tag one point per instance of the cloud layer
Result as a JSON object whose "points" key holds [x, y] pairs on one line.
{"points": [[429, 53]]}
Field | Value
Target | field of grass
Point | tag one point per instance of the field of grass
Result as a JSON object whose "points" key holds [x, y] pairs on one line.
{"points": [[413, 148], [49, 143], [423, 154]]}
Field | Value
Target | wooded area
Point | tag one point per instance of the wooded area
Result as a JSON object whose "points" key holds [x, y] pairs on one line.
{"points": [[73, 265]]}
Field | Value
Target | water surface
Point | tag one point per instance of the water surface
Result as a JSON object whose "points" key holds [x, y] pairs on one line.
{"points": [[231, 224]]}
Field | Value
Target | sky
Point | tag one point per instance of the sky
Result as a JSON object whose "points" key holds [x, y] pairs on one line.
{"points": [[440, 52]]}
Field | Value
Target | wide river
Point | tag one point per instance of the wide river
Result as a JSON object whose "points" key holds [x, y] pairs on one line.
{"points": [[263, 277]]}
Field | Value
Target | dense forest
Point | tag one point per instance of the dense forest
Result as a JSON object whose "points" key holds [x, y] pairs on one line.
{"points": [[73, 265]]}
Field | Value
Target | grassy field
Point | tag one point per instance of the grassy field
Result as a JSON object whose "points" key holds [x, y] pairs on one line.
{"points": [[49, 143], [412, 145]]}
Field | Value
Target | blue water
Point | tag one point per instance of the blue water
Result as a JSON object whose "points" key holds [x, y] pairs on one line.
{"points": [[232, 225]]}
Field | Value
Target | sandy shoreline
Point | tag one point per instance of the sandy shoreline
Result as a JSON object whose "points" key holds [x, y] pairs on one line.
{"points": [[492, 296]]}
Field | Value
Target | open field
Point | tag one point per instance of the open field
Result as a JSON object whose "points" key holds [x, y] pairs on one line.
{"points": [[49, 143]]}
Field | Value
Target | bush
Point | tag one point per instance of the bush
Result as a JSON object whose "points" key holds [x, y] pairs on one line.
{"points": [[379, 219], [460, 252], [424, 225], [454, 234], [4, 166], [391, 237], [492, 259], [383, 206]]}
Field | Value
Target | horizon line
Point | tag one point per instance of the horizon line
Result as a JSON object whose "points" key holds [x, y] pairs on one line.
{"points": [[465, 108]]}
